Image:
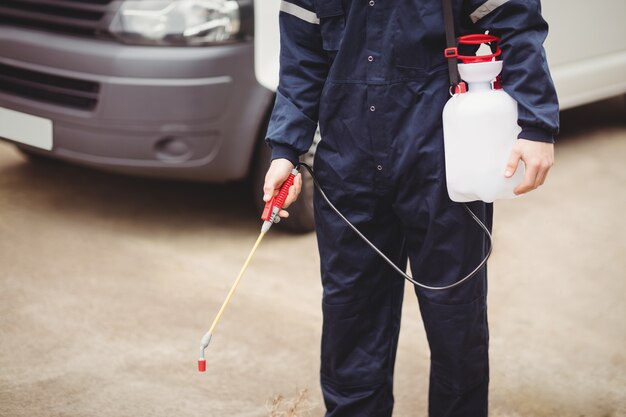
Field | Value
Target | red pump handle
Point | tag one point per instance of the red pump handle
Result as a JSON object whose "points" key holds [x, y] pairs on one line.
{"points": [[279, 199], [477, 39]]}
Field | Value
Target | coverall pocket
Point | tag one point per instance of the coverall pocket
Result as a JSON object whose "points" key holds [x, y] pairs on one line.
{"points": [[332, 23]]}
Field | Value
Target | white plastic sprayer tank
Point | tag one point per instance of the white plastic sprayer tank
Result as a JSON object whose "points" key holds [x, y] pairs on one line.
{"points": [[480, 128]]}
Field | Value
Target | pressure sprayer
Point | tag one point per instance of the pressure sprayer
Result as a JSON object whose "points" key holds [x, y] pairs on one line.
{"points": [[270, 216], [479, 128]]}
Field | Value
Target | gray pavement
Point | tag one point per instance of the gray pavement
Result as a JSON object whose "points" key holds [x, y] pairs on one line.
{"points": [[108, 282]]}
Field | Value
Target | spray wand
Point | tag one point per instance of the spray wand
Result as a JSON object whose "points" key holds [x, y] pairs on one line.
{"points": [[269, 217]]}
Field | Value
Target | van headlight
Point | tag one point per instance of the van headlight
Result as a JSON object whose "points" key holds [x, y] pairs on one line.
{"points": [[177, 22]]}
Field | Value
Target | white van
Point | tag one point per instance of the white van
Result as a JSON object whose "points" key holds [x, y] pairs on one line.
{"points": [[183, 89]]}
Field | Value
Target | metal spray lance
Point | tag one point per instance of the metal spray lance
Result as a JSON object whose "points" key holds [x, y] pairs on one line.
{"points": [[269, 217]]}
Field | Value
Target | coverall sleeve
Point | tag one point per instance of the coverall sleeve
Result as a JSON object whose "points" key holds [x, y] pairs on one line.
{"points": [[303, 72], [525, 74]]}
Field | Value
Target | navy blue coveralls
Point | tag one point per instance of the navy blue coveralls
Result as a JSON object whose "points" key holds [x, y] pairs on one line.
{"points": [[372, 72]]}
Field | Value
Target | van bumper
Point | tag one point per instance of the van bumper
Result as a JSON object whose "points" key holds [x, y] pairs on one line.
{"points": [[173, 112]]}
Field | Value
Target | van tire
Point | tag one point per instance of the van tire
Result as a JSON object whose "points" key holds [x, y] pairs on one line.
{"points": [[301, 217]]}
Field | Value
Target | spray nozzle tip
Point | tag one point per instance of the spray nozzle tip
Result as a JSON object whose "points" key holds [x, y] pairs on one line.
{"points": [[202, 365]]}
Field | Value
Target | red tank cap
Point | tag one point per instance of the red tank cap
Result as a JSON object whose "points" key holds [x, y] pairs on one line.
{"points": [[202, 365]]}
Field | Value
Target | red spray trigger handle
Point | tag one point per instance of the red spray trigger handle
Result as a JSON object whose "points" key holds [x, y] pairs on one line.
{"points": [[272, 207]]}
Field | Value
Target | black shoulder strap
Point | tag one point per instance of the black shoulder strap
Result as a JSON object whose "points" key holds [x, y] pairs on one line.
{"points": [[451, 49]]}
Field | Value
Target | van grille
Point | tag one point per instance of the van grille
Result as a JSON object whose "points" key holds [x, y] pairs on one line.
{"points": [[77, 17], [40, 86]]}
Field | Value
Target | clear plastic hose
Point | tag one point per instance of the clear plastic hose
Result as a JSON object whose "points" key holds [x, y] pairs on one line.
{"points": [[393, 265]]}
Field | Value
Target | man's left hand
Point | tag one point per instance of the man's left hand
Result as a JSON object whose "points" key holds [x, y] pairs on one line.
{"points": [[538, 158]]}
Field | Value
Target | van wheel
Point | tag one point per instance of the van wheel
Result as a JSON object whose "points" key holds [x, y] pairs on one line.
{"points": [[301, 218]]}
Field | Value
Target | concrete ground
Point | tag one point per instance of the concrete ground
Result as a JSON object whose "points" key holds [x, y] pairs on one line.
{"points": [[107, 284]]}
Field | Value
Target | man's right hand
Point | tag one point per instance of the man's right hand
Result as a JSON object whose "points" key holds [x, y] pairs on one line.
{"points": [[277, 173]]}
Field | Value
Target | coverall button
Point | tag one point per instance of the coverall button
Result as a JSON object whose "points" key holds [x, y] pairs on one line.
{"points": [[372, 2], [372, 108], [370, 58], [379, 167]]}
